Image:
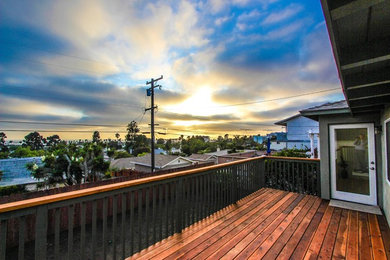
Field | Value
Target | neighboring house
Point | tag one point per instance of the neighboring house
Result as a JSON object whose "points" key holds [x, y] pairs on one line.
{"points": [[15, 171], [259, 139], [143, 163], [278, 140], [355, 133], [299, 131], [175, 150], [203, 158], [159, 151], [224, 156]]}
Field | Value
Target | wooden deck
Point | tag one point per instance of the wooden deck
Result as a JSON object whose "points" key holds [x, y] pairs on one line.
{"points": [[273, 224]]}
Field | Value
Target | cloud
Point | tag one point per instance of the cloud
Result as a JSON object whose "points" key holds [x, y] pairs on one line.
{"points": [[187, 117], [285, 14], [221, 20], [87, 61]]}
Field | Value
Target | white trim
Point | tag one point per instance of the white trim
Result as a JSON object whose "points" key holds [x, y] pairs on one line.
{"points": [[180, 157], [359, 198], [385, 155]]}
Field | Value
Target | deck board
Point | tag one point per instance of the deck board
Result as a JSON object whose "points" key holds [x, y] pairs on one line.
{"points": [[274, 224]]}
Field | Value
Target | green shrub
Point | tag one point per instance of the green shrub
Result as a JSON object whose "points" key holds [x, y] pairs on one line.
{"points": [[8, 190], [121, 154], [292, 153]]}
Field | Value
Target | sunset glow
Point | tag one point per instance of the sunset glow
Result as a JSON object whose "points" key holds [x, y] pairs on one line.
{"points": [[89, 64]]}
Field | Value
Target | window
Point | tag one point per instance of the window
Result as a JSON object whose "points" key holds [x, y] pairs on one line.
{"points": [[387, 149]]}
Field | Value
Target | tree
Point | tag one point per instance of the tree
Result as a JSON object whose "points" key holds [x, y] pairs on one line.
{"points": [[53, 140], [96, 137], [71, 164], [160, 141], [168, 145], [34, 140], [132, 131], [117, 135], [3, 147], [22, 152]]}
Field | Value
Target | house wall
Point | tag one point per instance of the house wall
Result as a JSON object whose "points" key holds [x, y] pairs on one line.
{"points": [[386, 183], [301, 144], [298, 128], [324, 122], [278, 145]]}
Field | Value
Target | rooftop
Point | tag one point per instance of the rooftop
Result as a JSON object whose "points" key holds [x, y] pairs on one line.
{"points": [[284, 121], [338, 107], [160, 161]]}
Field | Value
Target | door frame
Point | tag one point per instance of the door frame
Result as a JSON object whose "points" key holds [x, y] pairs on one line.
{"points": [[348, 196]]}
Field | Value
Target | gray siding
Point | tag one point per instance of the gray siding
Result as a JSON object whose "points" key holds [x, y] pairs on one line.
{"points": [[325, 122], [386, 184]]}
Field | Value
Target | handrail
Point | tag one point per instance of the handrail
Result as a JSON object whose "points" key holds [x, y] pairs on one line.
{"points": [[109, 187], [293, 158]]}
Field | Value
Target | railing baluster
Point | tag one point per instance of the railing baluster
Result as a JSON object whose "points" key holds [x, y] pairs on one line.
{"points": [[105, 202], [154, 221], [41, 232], [203, 194], [132, 221], [147, 192], [197, 198], [123, 225], [139, 212], [193, 180], [172, 200], [57, 220], [161, 213], [94, 219], [82, 235], [70, 231], [166, 210], [186, 223], [226, 187], [114, 224], [22, 225], [3, 240], [179, 205], [208, 194]]}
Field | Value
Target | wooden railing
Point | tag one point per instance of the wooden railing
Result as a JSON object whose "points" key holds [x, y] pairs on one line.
{"points": [[293, 174], [120, 219]]}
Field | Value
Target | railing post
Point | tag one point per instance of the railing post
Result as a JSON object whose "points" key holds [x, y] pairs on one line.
{"points": [[235, 183], [318, 179], [179, 206], [3, 238], [261, 173], [41, 232]]}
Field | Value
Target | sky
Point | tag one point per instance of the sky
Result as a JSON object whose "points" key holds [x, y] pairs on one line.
{"points": [[228, 66]]}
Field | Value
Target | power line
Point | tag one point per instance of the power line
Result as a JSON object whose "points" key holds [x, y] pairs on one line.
{"points": [[104, 103], [62, 124], [59, 131], [275, 99], [54, 52], [60, 66]]}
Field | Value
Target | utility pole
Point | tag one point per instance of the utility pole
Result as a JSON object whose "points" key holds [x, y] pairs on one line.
{"points": [[150, 92]]}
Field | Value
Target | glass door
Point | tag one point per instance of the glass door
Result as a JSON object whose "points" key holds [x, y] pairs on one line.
{"points": [[352, 155]]}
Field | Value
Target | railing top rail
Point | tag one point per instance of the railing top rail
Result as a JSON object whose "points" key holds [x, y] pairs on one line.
{"points": [[293, 158], [110, 187]]}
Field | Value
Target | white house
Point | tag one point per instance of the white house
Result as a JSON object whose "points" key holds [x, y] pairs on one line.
{"points": [[299, 131]]}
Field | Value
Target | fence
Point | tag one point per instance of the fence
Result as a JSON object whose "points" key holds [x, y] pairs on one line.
{"points": [[134, 215], [292, 174]]}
